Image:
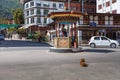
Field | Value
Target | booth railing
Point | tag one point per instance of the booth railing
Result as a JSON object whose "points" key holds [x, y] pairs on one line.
{"points": [[62, 42]]}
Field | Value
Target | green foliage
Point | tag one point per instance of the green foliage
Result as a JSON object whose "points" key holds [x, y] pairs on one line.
{"points": [[12, 30], [3, 21], [21, 31], [34, 35], [29, 36], [46, 39], [18, 16], [6, 7]]}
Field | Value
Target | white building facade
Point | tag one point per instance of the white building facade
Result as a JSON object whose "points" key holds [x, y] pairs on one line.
{"points": [[35, 11], [108, 6]]}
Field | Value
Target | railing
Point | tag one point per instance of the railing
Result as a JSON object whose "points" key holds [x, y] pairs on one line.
{"points": [[62, 42], [101, 25]]}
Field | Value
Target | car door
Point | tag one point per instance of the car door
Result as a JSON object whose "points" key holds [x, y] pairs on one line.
{"points": [[105, 41], [97, 41]]}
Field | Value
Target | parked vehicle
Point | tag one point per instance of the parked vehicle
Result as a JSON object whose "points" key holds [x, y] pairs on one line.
{"points": [[2, 37], [102, 41]]}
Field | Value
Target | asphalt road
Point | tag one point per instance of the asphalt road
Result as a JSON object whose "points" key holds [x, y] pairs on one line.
{"points": [[21, 60], [10, 45]]}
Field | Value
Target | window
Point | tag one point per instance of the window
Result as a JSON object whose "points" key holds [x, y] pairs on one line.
{"points": [[27, 13], [103, 4], [73, 8], [46, 5], [101, 20], [99, 6], [97, 38], [114, 12], [38, 4], [38, 11], [108, 12], [61, 6], [93, 10], [31, 4], [28, 21], [86, 20], [38, 20], [32, 20], [26, 5], [108, 4], [54, 5], [45, 20], [116, 20], [46, 12], [113, 1], [32, 12], [104, 38]]}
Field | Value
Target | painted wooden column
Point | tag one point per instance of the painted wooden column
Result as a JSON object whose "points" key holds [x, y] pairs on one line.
{"points": [[60, 30], [75, 37], [75, 34], [56, 29], [63, 26], [71, 30]]}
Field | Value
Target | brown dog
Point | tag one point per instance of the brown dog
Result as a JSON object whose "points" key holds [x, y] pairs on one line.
{"points": [[82, 63]]}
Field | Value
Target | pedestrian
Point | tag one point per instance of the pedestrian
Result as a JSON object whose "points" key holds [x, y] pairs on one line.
{"points": [[11, 36], [8, 36]]}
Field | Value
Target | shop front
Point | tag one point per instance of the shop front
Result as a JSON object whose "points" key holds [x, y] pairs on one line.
{"points": [[110, 32]]}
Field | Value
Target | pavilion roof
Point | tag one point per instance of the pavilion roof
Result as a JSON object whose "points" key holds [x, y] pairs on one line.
{"points": [[64, 14]]}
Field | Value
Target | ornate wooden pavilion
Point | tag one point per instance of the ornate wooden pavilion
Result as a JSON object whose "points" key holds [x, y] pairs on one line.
{"points": [[65, 26]]}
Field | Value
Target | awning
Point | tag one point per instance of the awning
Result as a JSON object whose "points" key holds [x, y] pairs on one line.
{"points": [[27, 26], [65, 22]]}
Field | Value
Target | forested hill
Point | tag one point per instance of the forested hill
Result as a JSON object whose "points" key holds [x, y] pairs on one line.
{"points": [[6, 7]]}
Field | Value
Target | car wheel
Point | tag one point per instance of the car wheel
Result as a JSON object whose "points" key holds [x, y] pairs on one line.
{"points": [[92, 45], [113, 45]]}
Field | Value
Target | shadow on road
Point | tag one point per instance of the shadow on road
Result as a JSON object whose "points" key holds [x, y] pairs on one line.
{"points": [[21, 43], [99, 50]]}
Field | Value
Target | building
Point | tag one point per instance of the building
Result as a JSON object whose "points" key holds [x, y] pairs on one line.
{"points": [[88, 6], [102, 24], [108, 6], [90, 23], [35, 11], [96, 24]]}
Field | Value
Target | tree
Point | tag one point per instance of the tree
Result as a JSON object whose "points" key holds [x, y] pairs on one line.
{"points": [[18, 16], [22, 32], [12, 30]]}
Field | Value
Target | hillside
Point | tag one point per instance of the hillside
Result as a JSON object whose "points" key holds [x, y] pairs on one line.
{"points": [[6, 7]]}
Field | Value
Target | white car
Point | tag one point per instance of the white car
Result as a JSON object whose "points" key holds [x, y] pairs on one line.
{"points": [[2, 37], [102, 41]]}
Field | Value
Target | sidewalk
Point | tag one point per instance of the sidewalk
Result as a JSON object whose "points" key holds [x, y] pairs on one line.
{"points": [[83, 45], [78, 44]]}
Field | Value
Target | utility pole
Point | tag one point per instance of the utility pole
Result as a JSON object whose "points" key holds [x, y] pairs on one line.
{"points": [[68, 5], [82, 6]]}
